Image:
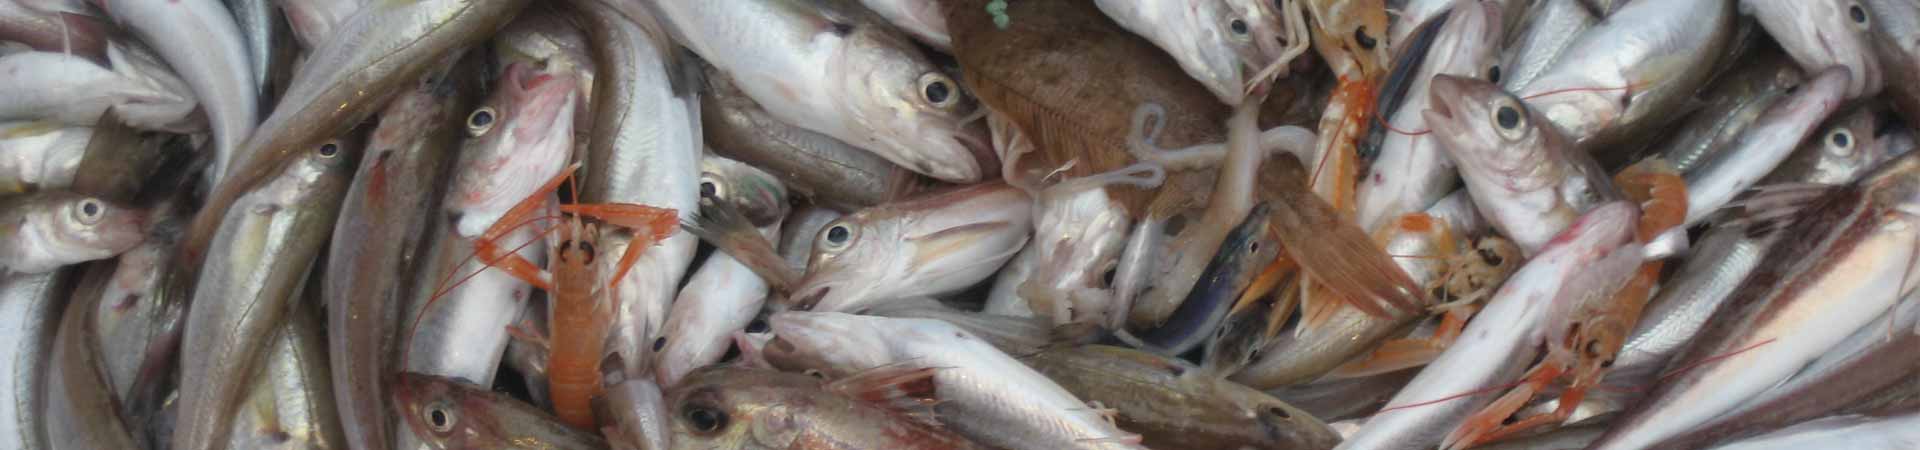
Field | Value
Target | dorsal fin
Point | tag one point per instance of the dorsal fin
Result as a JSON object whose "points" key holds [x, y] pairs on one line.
{"points": [[907, 389]]}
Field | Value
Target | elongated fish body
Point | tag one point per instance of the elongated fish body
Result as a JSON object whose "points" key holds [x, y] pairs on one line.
{"points": [[75, 91], [1854, 243], [1824, 33], [987, 395], [379, 246], [1852, 431], [254, 275], [1497, 346], [813, 415], [200, 39], [835, 68], [1764, 145], [724, 295], [291, 401], [1411, 171], [933, 244], [645, 149], [451, 414], [1173, 404], [815, 165], [81, 409], [1603, 93], [33, 301]]}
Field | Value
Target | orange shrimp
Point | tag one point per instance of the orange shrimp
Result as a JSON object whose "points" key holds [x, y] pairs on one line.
{"points": [[579, 312], [1602, 327]]}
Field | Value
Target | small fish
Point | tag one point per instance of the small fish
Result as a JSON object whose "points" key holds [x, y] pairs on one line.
{"points": [[449, 414], [744, 409], [1824, 33], [32, 302], [934, 244], [43, 231]]}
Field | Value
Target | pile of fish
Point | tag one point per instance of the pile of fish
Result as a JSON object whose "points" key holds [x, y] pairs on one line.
{"points": [[959, 224]]}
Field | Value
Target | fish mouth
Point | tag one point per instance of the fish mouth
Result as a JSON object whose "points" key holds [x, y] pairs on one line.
{"points": [[975, 140]]}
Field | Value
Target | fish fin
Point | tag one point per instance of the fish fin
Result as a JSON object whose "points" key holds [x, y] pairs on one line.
{"points": [[686, 74], [721, 224], [904, 388], [1766, 209], [1336, 253]]}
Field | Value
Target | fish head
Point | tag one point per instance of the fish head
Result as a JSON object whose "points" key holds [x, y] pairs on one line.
{"points": [[97, 226], [1825, 33], [908, 110], [1487, 129], [524, 108], [444, 414], [1222, 44], [754, 192], [517, 139], [925, 246], [1471, 37], [731, 407], [1847, 147], [825, 343]]}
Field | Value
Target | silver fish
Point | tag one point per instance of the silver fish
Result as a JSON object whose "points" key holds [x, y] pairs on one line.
{"points": [[314, 21], [1524, 176], [1764, 145], [1550, 26], [1732, 104], [1221, 43], [200, 39], [986, 395], [1590, 256], [815, 165], [1601, 92], [645, 149], [1821, 34], [930, 245], [1849, 432], [291, 400], [636, 413], [1855, 243], [75, 91], [32, 302], [255, 272], [920, 18], [724, 295], [837, 69], [81, 409], [52, 30], [46, 230], [1412, 171]]}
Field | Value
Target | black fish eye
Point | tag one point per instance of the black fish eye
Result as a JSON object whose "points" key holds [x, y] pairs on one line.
{"points": [[1858, 14], [757, 326], [659, 343], [707, 189], [439, 418], [1841, 139], [1366, 42], [1507, 117], [1238, 26], [1493, 74], [706, 420], [328, 150], [1253, 248], [480, 118], [90, 208], [938, 91], [838, 234]]}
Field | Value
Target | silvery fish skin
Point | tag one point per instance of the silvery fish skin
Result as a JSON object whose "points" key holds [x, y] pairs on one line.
{"points": [[257, 22], [52, 31], [291, 403], [933, 244], [33, 300], [1497, 345], [1247, 249], [81, 410], [343, 82], [986, 395], [1733, 102], [746, 409], [255, 271], [797, 233], [1896, 42], [451, 414], [920, 18], [1412, 13], [1412, 171], [43, 231], [1855, 240], [1601, 91], [1218, 42], [837, 69], [379, 247], [129, 319], [724, 294], [200, 39], [314, 21], [646, 149], [1173, 404], [1721, 259], [1524, 176], [1848, 432], [75, 91], [1824, 33], [1546, 31], [38, 155], [517, 140], [635, 412], [1764, 145], [814, 165], [548, 37]]}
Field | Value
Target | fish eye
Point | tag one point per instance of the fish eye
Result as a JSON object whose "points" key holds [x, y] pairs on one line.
{"points": [[659, 343], [1841, 140], [1253, 247], [757, 326], [480, 121], [1367, 42], [704, 419], [1238, 26], [1858, 14], [439, 417], [1493, 74], [1507, 117], [709, 189], [329, 150], [836, 237], [89, 211], [937, 90]]}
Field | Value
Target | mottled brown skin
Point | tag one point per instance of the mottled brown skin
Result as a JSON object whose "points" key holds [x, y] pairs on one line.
{"points": [[1069, 78], [734, 408], [1174, 405]]}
